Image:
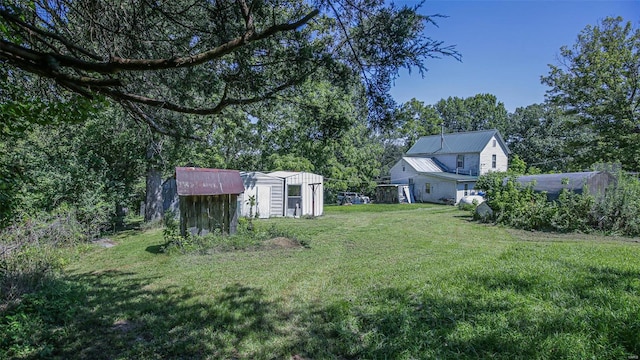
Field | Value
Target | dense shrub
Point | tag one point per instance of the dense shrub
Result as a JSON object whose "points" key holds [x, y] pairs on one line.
{"points": [[616, 211], [31, 250]]}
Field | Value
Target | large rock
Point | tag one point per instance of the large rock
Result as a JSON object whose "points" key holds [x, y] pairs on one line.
{"points": [[484, 212]]}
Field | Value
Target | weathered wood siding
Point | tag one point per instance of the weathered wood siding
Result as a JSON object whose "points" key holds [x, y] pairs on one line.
{"points": [[202, 214]]}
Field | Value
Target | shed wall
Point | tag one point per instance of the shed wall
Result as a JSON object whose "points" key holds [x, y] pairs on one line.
{"points": [[202, 214], [311, 202], [265, 188]]}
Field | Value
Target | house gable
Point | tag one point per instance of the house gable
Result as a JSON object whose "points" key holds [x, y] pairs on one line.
{"points": [[494, 156]]}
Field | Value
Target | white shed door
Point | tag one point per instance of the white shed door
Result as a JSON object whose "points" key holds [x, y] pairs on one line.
{"points": [[264, 201]]}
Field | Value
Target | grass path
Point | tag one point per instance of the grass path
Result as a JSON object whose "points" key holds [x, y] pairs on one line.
{"points": [[377, 282]]}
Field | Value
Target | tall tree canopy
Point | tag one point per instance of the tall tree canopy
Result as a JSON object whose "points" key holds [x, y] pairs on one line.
{"points": [[145, 53], [538, 135], [478, 112], [599, 81]]}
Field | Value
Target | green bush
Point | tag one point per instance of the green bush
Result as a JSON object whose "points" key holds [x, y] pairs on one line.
{"points": [[617, 211]]}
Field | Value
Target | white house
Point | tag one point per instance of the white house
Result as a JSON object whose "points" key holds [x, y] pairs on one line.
{"points": [[444, 168], [282, 193]]}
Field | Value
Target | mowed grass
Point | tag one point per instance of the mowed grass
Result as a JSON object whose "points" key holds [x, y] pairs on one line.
{"points": [[378, 281]]}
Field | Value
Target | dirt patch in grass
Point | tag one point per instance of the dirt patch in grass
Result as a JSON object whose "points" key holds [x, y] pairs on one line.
{"points": [[122, 326], [282, 243], [104, 242]]}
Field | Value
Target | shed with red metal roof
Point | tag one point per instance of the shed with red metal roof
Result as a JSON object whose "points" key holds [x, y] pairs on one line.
{"points": [[208, 199]]}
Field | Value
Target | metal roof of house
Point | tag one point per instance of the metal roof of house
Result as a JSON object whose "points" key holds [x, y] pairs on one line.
{"points": [[202, 181], [456, 143], [421, 164]]}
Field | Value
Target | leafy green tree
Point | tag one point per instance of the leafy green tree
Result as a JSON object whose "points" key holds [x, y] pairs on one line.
{"points": [[322, 129], [598, 81], [517, 165], [94, 166], [538, 134], [478, 112], [414, 119], [20, 112]]}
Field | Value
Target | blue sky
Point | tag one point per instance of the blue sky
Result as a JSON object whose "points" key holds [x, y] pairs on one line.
{"points": [[505, 45]]}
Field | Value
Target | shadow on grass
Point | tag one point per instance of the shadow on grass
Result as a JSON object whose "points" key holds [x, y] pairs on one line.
{"points": [[113, 315], [116, 315], [154, 249]]}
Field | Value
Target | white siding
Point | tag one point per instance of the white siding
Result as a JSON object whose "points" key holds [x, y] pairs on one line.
{"points": [[440, 188], [310, 204], [265, 188], [502, 159], [460, 192], [401, 172]]}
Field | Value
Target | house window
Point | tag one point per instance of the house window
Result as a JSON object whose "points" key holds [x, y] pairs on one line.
{"points": [[493, 161], [402, 168], [466, 189], [427, 188], [460, 162], [495, 142]]}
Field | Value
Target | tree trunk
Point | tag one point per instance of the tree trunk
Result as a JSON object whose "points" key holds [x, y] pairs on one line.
{"points": [[153, 201]]}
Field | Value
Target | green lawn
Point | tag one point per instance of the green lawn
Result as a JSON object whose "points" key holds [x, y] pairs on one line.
{"points": [[395, 282]]}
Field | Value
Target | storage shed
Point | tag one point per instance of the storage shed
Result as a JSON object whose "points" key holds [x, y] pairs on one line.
{"points": [[393, 194], [302, 193], [596, 182], [268, 192], [208, 199]]}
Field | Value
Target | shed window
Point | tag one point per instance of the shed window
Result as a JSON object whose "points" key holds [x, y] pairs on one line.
{"points": [[427, 188], [493, 161], [294, 190], [294, 200], [460, 162]]}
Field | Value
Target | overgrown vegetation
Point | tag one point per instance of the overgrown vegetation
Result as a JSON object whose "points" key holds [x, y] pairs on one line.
{"points": [[247, 237], [616, 212], [35, 249]]}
